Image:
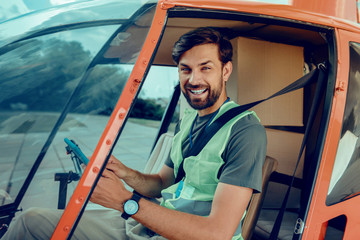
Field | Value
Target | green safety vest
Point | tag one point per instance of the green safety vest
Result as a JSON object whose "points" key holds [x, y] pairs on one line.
{"points": [[201, 179]]}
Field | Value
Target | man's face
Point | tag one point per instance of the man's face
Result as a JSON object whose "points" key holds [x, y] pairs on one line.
{"points": [[202, 78]]}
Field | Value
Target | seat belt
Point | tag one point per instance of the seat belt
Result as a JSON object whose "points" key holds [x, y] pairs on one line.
{"points": [[212, 129], [317, 99]]}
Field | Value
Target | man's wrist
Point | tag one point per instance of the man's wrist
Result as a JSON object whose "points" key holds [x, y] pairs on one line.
{"points": [[131, 206], [126, 197]]}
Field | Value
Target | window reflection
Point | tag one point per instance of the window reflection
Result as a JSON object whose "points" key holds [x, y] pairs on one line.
{"points": [[345, 179], [38, 76]]}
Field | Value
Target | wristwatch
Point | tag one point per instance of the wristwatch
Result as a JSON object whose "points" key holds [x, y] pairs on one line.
{"points": [[131, 206]]}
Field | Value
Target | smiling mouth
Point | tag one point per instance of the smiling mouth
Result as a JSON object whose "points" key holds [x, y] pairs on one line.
{"points": [[198, 92]]}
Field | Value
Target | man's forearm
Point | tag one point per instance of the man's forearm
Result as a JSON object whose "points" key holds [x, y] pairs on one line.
{"points": [[149, 185], [174, 225], [228, 207]]}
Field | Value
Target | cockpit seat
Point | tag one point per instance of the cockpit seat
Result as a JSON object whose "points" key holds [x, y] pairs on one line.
{"points": [[257, 199], [159, 154]]}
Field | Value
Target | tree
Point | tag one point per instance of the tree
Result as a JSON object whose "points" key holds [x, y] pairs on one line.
{"points": [[42, 74], [148, 109]]}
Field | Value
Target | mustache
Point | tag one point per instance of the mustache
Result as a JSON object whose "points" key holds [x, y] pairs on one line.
{"points": [[189, 85]]}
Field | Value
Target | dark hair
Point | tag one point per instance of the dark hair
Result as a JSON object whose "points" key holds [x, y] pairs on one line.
{"points": [[200, 36]]}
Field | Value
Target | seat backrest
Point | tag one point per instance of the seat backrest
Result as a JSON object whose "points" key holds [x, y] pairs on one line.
{"points": [[159, 154], [257, 199]]}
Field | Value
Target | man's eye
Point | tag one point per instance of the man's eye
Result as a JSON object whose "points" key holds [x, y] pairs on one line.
{"points": [[206, 68], [185, 70]]}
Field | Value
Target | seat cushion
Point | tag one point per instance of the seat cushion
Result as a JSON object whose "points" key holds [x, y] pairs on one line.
{"points": [[266, 221]]}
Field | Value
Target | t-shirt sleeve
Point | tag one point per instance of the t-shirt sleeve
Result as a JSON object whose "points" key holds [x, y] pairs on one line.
{"points": [[244, 155]]}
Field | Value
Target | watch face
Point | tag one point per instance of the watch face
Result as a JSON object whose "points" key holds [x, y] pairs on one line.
{"points": [[131, 207]]}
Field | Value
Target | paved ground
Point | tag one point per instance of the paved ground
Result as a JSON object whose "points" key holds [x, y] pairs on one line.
{"points": [[23, 136]]}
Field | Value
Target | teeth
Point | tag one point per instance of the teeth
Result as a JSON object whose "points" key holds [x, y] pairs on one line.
{"points": [[197, 91]]}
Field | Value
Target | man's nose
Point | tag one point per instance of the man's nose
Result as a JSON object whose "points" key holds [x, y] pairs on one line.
{"points": [[195, 77]]}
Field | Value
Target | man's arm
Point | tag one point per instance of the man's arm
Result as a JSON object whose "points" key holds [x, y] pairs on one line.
{"points": [[149, 185], [228, 207]]}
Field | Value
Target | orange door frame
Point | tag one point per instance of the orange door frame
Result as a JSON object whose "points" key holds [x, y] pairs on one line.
{"points": [[92, 171], [319, 213], [332, 13]]}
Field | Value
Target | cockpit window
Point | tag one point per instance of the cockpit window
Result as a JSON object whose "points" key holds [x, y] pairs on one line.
{"points": [[345, 181], [61, 81]]}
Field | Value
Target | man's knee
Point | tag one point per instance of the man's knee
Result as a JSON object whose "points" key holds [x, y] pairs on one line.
{"points": [[35, 223], [38, 217]]}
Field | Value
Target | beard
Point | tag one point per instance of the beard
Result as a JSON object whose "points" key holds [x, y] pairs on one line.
{"points": [[209, 101]]}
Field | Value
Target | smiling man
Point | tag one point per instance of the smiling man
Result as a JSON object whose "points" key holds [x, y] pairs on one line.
{"points": [[209, 199], [202, 78]]}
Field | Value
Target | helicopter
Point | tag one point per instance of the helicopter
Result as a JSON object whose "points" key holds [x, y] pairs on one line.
{"points": [[101, 74]]}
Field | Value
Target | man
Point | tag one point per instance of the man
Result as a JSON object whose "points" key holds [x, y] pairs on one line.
{"points": [[210, 201]]}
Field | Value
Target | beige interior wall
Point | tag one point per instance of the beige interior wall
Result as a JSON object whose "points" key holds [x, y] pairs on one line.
{"points": [[285, 147], [232, 83], [263, 69]]}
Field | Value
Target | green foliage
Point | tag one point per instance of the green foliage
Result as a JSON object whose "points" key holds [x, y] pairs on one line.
{"points": [[42, 74], [148, 109]]}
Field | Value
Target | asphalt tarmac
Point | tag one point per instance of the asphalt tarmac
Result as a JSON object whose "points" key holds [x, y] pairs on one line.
{"points": [[23, 136]]}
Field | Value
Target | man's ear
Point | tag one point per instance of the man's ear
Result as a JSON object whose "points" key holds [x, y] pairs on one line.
{"points": [[227, 70]]}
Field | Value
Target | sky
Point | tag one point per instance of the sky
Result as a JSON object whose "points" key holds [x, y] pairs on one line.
{"points": [[13, 8]]}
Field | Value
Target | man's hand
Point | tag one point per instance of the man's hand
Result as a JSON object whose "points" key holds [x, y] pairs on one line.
{"points": [[117, 167], [110, 191], [149, 185]]}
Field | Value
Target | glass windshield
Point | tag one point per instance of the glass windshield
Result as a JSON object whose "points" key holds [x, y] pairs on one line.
{"points": [[23, 18], [61, 78], [345, 181]]}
